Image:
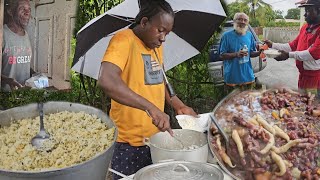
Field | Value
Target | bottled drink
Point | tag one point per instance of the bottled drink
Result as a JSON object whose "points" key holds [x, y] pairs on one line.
{"points": [[244, 59], [245, 48]]}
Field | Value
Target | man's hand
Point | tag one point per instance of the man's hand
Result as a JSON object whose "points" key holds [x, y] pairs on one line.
{"points": [[14, 85], [160, 119], [241, 54], [186, 110], [269, 43], [283, 56]]}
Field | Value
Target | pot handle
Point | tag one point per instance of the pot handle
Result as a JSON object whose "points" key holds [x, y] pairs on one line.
{"points": [[146, 141], [181, 165]]}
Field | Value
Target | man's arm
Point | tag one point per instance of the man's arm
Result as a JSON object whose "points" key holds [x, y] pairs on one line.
{"points": [[228, 56], [310, 54], [11, 82], [112, 84], [255, 53]]}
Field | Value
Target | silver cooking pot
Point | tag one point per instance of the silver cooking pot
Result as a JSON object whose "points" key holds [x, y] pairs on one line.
{"points": [[176, 170], [179, 170], [163, 146], [94, 169]]}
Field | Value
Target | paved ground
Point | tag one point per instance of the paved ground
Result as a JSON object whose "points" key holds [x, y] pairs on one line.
{"points": [[279, 74]]}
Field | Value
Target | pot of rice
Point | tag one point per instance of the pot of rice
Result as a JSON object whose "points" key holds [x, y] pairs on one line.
{"points": [[186, 145], [82, 141]]}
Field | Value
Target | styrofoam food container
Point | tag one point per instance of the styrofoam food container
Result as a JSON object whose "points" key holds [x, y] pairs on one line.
{"points": [[200, 123], [272, 53]]}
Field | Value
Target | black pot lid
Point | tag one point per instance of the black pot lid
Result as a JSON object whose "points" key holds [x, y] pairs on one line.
{"points": [[179, 170]]}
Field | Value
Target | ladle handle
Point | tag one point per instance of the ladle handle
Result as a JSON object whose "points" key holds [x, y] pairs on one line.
{"points": [[219, 129], [168, 85], [170, 90], [40, 107], [120, 174]]}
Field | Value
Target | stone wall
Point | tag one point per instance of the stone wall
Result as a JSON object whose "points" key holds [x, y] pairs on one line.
{"points": [[280, 34]]}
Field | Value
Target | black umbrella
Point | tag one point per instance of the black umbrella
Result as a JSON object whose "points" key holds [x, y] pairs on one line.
{"points": [[195, 22]]}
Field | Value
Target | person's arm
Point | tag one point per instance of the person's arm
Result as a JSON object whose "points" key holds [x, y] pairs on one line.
{"points": [[310, 54], [255, 53], [253, 47], [112, 84], [11, 82], [279, 46], [228, 56]]}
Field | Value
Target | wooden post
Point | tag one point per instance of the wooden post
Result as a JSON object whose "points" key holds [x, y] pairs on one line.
{"points": [[1, 33]]}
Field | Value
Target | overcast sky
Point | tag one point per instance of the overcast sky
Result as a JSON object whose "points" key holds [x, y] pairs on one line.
{"points": [[282, 5]]}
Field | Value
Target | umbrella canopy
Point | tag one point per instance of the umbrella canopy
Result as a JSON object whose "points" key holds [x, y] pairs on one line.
{"points": [[195, 22]]}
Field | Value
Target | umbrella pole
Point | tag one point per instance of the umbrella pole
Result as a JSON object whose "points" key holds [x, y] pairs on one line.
{"points": [[171, 93], [168, 85]]}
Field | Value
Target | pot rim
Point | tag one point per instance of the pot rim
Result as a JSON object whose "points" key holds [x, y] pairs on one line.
{"points": [[175, 150], [142, 170]]}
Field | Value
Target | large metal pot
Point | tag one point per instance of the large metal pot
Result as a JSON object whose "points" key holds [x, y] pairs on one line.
{"points": [[179, 170], [164, 147], [93, 169]]}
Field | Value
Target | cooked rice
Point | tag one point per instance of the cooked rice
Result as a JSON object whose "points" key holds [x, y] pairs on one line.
{"points": [[77, 137]]}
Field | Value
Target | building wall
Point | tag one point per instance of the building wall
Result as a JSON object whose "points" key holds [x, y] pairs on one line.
{"points": [[1, 32], [302, 20], [280, 34]]}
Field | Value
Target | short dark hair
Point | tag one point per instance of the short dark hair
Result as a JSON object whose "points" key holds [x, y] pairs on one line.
{"points": [[150, 8]]}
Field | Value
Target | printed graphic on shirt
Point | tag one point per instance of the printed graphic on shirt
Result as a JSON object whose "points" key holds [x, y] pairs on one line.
{"points": [[14, 55], [152, 70]]}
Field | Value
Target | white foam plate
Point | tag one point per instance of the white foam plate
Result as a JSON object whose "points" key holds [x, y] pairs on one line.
{"points": [[200, 124], [271, 53]]}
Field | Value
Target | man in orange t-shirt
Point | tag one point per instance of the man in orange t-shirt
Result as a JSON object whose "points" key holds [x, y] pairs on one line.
{"points": [[131, 75]]}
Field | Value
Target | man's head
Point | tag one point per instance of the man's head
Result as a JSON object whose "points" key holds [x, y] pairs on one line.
{"points": [[241, 21], [312, 11], [18, 12], [154, 21]]}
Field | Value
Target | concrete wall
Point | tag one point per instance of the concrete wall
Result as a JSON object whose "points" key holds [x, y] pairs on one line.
{"points": [[280, 34], [258, 30], [1, 32], [302, 18]]}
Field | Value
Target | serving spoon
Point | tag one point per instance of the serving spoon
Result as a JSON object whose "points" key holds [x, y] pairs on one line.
{"points": [[174, 136], [221, 131], [42, 136]]}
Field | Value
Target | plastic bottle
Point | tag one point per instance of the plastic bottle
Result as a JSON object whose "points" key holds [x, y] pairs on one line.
{"points": [[245, 48], [244, 59]]}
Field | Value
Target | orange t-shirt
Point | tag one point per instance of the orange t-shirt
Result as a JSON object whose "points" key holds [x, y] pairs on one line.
{"points": [[142, 73]]}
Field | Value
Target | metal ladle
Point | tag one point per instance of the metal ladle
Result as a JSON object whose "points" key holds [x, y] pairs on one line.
{"points": [[179, 140], [174, 136], [42, 136], [221, 131]]}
